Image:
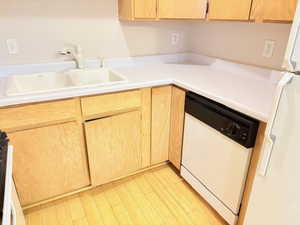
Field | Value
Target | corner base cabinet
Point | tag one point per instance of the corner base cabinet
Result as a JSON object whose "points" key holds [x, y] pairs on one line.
{"points": [[167, 125]]}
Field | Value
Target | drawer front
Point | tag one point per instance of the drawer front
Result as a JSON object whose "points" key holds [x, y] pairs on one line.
{"points": [[109, 104], [28, 116]]}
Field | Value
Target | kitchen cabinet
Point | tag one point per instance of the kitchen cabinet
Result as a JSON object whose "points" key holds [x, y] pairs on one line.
{"points": [[49, 161], [108, 104], [117, 128], [271, 10], [66, 146], [178, 9], [162, 9], [229, 9], [39, 114], [115, 146], [161, 120], [137, 9], [176, 126]]}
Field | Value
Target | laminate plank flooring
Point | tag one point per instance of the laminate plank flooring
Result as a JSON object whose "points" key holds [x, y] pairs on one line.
{"points": [[155, 197]]}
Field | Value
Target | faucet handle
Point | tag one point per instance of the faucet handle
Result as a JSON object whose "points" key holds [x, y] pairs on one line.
{"points": [[64, 52]]}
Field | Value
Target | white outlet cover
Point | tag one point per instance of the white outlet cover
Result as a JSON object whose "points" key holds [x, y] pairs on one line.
{"points": [[269, 48], [175, 38], [12, 46]]}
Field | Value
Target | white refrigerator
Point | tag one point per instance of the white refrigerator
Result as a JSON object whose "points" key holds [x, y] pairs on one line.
{"points": [[275, 198]]}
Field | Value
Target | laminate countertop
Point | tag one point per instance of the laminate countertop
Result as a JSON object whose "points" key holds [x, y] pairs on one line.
{"points": [[247, 89]]}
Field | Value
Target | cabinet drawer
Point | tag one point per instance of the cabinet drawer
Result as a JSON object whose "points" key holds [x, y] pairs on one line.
{"points": [[28, 116], [109, 104]]}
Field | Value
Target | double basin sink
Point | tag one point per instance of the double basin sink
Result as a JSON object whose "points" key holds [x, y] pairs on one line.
{"points": [[45, 82]]}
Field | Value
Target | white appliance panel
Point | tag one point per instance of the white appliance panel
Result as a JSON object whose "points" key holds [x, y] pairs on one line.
{"points": [[274, 199], [225, 179]]}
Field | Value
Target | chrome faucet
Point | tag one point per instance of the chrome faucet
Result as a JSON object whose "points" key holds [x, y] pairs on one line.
{"points": [[76, 53]]}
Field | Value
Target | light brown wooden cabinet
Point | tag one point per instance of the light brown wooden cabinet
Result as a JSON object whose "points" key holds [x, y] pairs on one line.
{"points": [[117, 131], [160, 127], [255, 10], [273, 10], [162, 9], [167, 125], [176, 126], [235, 10], [178, 9], [49, 161], [229, 9], [137, 9], [115, 146]]}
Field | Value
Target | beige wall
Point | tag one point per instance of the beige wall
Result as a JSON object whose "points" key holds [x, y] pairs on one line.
{"points": [[43, 27], [239, 41]]}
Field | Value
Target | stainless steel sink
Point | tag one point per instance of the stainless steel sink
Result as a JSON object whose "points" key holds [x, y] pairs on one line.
{"points": [[45, 82]]}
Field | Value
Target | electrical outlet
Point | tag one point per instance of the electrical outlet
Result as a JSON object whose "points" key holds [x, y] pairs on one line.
{"points": [[175, 38], [12, 46], [269, 48]]}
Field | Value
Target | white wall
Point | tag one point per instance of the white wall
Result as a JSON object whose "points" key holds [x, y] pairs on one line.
{"points": [[239, 41], [43, 27]]}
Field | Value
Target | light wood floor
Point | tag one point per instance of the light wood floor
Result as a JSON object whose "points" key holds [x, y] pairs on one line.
{"points": [[156, 197]]}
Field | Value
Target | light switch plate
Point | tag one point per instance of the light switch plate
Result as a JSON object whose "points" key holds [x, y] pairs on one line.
{"points": [[12, 46], [269, 48]]}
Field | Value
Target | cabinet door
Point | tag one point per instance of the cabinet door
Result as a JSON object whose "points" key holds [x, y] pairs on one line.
{"points": [[176, 130], [273, 10], [229, 9], [178, 9], [114, 146], [145, 9], [161, 113], [48, 162]]}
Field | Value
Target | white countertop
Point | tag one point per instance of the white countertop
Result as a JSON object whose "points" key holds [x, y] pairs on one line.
{"points": [[249, 90]]}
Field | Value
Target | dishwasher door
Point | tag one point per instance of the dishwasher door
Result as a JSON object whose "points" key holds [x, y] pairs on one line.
{"points": [[219, 164]]}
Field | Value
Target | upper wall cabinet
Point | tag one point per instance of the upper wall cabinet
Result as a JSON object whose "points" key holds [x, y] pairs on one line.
{"points": [[229, 9], [178, 9], [238, 10], [137, 9], [162, 9], [273, 10]]}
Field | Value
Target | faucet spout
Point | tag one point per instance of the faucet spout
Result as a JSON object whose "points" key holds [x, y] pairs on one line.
{"points": [[76, 53]]}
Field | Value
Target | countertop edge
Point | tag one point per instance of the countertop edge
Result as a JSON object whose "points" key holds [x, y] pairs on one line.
{"points": [[51, 96]]}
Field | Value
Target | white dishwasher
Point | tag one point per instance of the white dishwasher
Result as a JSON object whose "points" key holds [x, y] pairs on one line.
{"points": [[217, 149]]}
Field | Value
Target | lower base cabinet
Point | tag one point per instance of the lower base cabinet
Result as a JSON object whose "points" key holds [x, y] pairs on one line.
{"points": [[114, 146], [124, 132], [49, 161]]}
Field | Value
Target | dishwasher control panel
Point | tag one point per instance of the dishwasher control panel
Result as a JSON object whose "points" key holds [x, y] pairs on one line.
{"points": [[235, 125]]}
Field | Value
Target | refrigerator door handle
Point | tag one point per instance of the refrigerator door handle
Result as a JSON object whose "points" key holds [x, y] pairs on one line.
{"points": [[270, 138]]}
